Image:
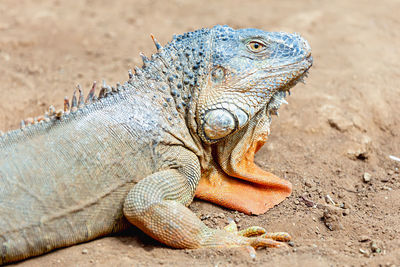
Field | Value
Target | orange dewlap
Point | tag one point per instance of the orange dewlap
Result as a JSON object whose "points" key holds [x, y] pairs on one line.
{"points": [[252, 191]]}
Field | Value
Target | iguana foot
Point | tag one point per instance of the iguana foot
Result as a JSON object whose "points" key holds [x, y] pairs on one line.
{"points": [[254, 237], [258, 237]]}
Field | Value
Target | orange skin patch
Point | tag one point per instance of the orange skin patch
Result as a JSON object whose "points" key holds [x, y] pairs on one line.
{"points": [[251, 191]]}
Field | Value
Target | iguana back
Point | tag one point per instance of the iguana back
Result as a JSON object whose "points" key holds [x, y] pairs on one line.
{"points": [[65, 181]]}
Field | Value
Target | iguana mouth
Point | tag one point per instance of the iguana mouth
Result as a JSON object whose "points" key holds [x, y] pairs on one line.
{"points": [[308, 61], [293, 82], [279, 97]]}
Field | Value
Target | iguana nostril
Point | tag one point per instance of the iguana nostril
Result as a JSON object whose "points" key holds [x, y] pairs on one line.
{"points": [[218, 124]]}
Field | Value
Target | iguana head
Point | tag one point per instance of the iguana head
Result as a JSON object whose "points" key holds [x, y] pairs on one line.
{"points": [[249, 70]]}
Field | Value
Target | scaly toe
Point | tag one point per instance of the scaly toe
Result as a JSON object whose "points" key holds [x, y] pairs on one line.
{"points": [[278, 236], [260, 242], [252, 231]]}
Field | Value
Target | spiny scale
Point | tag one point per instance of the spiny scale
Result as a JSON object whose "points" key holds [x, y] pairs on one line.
{"points": [[66, 104], [74, 102], [59, 113], [52, 110], [119, 87], [144, 59], [91, 96], [81, 103], [138, 72], [103, 90], [156, 43], [106, 89]]}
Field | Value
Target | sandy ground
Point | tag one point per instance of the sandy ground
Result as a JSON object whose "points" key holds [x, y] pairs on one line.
{"points": [[344, 123]]}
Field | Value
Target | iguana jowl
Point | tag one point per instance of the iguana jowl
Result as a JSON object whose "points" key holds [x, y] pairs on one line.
{"points": [[187, 123]]}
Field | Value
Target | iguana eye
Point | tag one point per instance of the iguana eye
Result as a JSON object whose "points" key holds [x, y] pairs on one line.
{"points": [[255, 46]]}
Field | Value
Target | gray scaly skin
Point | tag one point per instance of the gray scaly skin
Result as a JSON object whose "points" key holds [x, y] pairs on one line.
{"points": [[138, 151]]}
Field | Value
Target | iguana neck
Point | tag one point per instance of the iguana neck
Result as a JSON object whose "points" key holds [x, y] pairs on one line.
{"points": [[180, 70]]}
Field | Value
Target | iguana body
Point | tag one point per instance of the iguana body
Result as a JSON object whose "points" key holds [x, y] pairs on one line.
{"points": [[191, 118]]}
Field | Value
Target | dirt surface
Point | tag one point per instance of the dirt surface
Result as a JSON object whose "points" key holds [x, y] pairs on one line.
{"points": [[344, 123]]}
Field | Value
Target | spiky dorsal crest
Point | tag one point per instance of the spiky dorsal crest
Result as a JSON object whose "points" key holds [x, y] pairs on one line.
{"points": [[173, 57], [72, 106]]}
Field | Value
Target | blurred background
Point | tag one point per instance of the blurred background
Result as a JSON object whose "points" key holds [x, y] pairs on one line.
{"points": [[337, 129]]}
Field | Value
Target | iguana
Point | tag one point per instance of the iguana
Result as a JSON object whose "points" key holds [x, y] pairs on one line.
{"points": [[187, 123]]}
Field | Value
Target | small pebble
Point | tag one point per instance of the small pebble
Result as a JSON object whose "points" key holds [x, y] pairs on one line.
{"points": [[291, 243], [364, 238], [375, 248], [332, 218], [308, 183], [346, 205], [329, 200], [385, 179], [367, 177], [84, 251], [297, 202], [346, 212]]}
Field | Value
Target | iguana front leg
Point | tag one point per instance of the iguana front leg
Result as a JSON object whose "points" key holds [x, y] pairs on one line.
{"points": [[157, 205]]}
